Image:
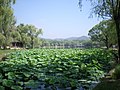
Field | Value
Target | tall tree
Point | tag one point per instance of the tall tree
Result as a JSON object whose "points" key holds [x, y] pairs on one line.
{"points": [[6, 20], [23, 31], [15, 35], [104, 32], [110, 9], [2, 40], [29, 35], [33, 32]]}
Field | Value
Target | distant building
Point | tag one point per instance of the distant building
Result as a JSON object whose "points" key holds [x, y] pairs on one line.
{"points": [[17, 44]]}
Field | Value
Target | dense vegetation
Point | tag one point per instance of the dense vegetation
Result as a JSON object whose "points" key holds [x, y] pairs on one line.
{"points": [[51, 69], [54, 68], [108, 9], [9, 32], [104, 34]]}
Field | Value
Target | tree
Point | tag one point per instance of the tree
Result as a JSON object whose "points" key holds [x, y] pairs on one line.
{"points": [[33, 32], [23, 35], [110, 9], [2, 39], [104, 32], [29, 35], [87, 44], [16, 38], [7, 20]]}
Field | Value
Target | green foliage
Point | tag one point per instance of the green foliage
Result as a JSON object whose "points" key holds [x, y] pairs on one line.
{"points": [[52, 68], [104, 33], [2, 88], [7, 20], [29, 35], [109, 9], [7, 83], [66, 43], [2, 39]]}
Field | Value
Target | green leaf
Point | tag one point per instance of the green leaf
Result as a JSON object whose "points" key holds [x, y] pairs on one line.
{"points": [[83, 66], [11, 75], [60, 69], [16, 88], [2, 88], [6, 69], [73, 84], [8, 83], [1, 77], [31, 83], [27, 74]]}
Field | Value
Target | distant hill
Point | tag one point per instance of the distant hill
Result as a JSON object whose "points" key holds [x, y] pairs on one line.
{"points": [[74, 38], [78, 38]]}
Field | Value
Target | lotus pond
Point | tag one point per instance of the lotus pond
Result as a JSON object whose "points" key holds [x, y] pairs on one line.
{"points": [[54, 69]]}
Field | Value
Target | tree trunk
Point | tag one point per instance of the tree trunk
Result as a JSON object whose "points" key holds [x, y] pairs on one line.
{"points": [[4, 46], [106, 42], [32, 42], [118, 37], [116, 16], [107, 45]]}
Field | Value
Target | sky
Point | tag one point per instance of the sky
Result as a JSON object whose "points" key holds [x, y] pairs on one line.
{"points": [[57, 18]]}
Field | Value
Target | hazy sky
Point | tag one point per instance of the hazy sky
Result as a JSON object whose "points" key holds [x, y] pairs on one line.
{"points": [[57, 18]]}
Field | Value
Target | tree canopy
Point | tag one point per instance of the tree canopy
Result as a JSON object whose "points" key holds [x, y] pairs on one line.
{"points": [[29, 35], [104, 32], [108, 9], [9, 32], [7, 20]]}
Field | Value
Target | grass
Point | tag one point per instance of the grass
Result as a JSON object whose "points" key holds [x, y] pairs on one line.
{"points": [[4, 52], [108, 85]]}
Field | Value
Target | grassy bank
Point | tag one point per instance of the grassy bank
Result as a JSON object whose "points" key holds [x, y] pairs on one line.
{"points": [[111, 82], [108, 85], [4, 52]]}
